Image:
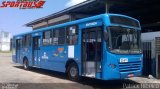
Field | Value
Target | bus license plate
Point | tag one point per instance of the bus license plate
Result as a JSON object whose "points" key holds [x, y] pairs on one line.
{"points": [[130, 75]]}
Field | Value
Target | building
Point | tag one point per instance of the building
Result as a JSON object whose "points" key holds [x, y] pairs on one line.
{"points": [[5, 41], [142, 10], [145, 11]]}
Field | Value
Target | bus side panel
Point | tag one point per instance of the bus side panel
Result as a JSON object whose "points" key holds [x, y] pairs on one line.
{"points": [[19, 56], [77, 57], [109, 73], [53, 58], [30, 56]]}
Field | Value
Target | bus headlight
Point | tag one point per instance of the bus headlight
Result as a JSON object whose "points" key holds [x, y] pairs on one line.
{"points": [[113, 66]]}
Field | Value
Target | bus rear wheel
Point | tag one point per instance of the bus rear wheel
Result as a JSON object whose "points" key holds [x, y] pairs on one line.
{"points": [[72, 72], [26, 64]]}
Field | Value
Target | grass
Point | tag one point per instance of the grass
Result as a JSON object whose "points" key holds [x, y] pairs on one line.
{"points": [[5, 51]]}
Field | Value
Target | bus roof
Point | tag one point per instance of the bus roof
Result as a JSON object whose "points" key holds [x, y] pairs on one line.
{"points": [[101, 16]]}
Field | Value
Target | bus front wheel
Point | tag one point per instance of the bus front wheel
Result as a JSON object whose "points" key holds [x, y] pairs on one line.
{"points": [[72, 72]]}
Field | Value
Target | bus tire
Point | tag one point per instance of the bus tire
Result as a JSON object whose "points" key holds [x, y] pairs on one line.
{"points": [[73, 72], [26, 64]]}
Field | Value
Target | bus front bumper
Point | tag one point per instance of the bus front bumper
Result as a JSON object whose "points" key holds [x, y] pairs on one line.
{"points": [[120, 75], [124, 75]]}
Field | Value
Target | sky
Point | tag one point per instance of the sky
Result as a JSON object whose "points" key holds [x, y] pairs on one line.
{"points": [[13, 19]]}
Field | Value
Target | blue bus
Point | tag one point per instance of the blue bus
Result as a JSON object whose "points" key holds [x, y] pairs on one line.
{"points": [[106, 47]]}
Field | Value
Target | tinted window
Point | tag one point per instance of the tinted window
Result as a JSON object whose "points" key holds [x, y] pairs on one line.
{"points": [[26, 41], [124, 21], [6, 34], [18, 44], [72, 35], [36, 43], [59, 36], [47, 38]]}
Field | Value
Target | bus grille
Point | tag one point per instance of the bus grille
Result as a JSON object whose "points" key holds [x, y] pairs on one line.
{"points": [[130, 66]]}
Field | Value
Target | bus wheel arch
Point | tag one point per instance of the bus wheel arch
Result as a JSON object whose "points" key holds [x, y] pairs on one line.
{"points": [[25, 63], [72, 70]]}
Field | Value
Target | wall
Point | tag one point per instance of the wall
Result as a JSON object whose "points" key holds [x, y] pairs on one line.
{"points": [[5, 41], [151, 37]]}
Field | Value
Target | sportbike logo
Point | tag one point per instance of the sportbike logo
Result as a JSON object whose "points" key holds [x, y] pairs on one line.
{"points": [[22, 4]]}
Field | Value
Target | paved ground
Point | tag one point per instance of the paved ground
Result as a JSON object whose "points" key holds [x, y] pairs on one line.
{"points": [[13, 76]]}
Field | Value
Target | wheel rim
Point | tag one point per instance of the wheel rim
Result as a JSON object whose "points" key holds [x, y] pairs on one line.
{"points": [[73, 71]]}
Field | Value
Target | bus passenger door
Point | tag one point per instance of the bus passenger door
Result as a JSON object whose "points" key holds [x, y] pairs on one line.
{"points": [[18, 50], [91, 51], [36, 51]]}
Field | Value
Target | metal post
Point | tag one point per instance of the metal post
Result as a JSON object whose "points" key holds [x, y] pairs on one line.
{"points": [[107, 7], [157, 76]]}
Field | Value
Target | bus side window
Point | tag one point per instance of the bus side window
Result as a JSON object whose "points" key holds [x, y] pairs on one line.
{"points": [[72, 35], [26, 41], [59, 36], [18, 44], [47, 38]]}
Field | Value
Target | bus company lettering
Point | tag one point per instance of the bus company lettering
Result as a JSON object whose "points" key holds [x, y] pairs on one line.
{"points": [[91, 24], [23, 4], [45, 56]]}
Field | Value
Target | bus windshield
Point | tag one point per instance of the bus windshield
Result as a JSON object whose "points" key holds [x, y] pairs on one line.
{"points": [[124, 40]]}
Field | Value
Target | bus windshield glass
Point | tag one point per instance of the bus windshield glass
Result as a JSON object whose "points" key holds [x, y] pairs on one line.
{"points": [[124, 40]]}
